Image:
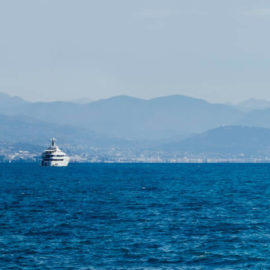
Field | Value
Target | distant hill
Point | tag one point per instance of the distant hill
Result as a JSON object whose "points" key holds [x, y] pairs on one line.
{"points": [[12, 105], [132, 118], [229, 140], [26, 130]]}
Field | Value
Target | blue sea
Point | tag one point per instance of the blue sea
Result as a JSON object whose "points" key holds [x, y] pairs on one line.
{"points": [[135, 216]]}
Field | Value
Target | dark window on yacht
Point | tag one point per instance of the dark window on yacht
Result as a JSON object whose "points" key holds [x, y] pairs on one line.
{"points": [[51, 156], [47, 159]]}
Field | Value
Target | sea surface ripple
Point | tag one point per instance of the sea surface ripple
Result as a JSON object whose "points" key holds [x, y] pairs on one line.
{"points": [[135, 216]]}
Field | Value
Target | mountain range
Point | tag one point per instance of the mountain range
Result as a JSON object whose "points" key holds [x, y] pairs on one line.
{"points": [[129, 118], [174, 123]]}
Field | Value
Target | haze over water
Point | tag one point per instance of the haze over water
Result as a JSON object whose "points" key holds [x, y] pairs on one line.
{"points": [[135, 216]]}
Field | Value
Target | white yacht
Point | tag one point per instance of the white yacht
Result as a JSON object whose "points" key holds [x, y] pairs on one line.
{"points": [[53, 156]]}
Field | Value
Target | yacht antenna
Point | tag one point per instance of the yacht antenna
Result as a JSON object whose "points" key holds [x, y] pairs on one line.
{"points": [[53, 142]]}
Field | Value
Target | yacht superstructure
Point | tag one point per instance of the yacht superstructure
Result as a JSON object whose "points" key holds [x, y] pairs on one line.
{"points": [[53, 156]]}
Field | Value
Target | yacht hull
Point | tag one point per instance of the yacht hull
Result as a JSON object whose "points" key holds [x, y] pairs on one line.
{"points": [[55, 163]]}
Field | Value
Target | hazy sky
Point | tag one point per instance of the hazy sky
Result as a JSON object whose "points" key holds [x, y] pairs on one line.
{"points": [[67, 49]]}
